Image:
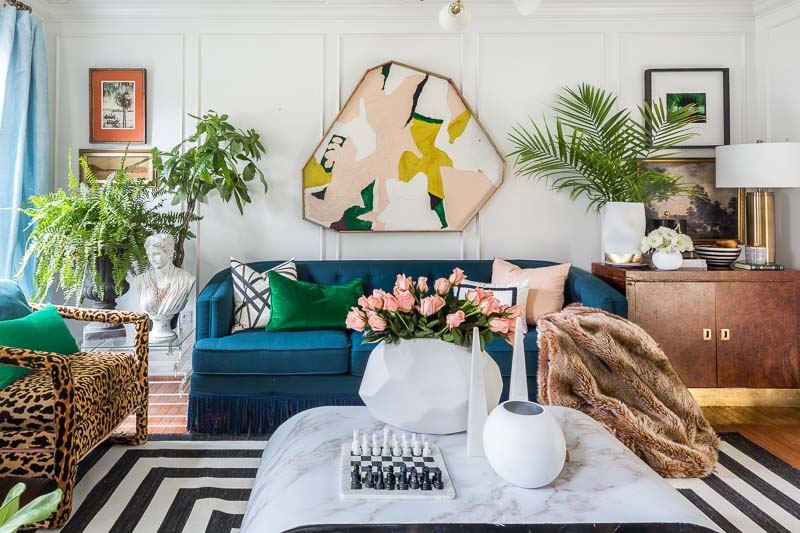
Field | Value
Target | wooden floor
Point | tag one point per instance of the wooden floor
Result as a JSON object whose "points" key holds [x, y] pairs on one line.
{"points": [[776, 429]]}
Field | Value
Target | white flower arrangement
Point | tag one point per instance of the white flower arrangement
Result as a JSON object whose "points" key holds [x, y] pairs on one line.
{"points": [[667, 240]]}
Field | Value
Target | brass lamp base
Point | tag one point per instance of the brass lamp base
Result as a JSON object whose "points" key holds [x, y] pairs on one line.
{"points": [[761, 221]]}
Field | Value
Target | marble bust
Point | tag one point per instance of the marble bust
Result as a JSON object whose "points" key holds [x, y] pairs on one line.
{"points": [[163, 288]]}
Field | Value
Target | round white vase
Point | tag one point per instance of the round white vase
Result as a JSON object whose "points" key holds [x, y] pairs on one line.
{"points": [[422, 385], [664, 260], [623, 225], [524, 444]]}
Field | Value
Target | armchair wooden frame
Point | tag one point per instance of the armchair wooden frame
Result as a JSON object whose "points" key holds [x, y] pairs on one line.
{"points": [[59, 460]]}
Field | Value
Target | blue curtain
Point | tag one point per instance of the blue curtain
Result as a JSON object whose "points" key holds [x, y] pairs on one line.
{"points": [[24, 132]]}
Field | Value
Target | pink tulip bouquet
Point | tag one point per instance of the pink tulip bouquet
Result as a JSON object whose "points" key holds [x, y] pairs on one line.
{"points": [[414, 310]]}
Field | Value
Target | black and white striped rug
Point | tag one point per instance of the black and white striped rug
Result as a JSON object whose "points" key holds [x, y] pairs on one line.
{"points": [[186, 485]]}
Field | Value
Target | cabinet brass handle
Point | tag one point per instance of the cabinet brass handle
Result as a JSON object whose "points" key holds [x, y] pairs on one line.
{"points": [[706, 334], [725, 334]]}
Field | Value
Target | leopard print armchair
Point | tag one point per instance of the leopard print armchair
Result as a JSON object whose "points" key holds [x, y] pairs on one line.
{"points": [[52, 417]]}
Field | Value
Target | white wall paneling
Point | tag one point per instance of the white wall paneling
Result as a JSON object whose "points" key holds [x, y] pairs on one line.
{"points": [[284, 68]]}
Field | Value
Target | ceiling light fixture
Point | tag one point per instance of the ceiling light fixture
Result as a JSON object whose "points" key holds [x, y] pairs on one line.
{"points": [[455, 17]]}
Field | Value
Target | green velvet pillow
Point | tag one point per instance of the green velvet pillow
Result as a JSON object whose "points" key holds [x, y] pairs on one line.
{"points": [[12, 302], [298, 305], [43, 331]]}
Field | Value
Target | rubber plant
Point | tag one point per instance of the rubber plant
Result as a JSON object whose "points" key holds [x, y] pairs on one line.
{"points": [[594, 151], [216, 157], [71, 228], [12, 517]]}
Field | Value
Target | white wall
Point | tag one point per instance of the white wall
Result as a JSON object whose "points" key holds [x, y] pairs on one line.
{"points": [[285, 70], [778, 38]]}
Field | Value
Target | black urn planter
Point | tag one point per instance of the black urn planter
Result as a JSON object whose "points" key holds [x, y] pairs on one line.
{"points": [[96, 331]]}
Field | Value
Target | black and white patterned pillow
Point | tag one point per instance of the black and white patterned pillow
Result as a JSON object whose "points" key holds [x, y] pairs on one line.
{"points": [[252, 298], [508, 293]]}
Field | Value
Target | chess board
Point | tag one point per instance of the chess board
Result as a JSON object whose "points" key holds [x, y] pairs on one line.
{"points": [[372, 461]]}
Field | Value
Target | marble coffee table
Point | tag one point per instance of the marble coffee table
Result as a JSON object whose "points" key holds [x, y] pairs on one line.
{"points": [[297, 485]]}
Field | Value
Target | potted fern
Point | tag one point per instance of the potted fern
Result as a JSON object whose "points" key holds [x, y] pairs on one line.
{"points": [[86, 239], [592, 150]]}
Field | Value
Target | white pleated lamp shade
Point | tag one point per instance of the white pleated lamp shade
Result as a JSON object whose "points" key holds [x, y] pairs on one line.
{"points": [[455, 23], [527, 7]]}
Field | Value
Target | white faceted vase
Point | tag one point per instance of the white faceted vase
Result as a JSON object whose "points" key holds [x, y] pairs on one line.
{"points": [[422, 385], [623, 225], [524, 444]]}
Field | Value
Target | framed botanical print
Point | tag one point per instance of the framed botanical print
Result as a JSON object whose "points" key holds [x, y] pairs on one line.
{"points": [[707, 88], [103, 163], [117, 105], [711, 213]]}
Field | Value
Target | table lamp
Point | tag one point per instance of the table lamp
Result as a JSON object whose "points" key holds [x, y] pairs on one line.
{"points": [[759, 165]]}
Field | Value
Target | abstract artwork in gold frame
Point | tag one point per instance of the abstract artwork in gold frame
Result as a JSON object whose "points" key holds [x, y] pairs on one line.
{"points": [[722, 217]]}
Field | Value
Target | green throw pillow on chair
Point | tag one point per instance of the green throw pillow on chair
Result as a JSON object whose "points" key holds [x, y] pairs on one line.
{"points": [[299, 305], [12, 302], [43, 331]]}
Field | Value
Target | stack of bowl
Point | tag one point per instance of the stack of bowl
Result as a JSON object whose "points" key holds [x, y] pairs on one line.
{"points": [[717, 257]]}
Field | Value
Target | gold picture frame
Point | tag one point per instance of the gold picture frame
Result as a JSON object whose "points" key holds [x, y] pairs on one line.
{"points": [[104, 162], [728, 225]]}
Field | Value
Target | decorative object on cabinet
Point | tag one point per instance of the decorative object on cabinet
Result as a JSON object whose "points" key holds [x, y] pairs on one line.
{"points": [[163, 288], [436, 164], [759, 165], [90, 236], [755, 255], [138, 164], [667, 246], [717, 256], [518, 384], [737, 328], [612, 370], [707, 89], [117, 105], [666, 220], [711, 213], [216, 157], [600, 156]]}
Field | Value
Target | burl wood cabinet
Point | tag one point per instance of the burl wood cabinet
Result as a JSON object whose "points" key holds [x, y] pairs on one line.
{"points": [[720, 328]]}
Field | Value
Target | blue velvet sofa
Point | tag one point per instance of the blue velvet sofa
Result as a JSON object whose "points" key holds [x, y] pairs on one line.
{"points": [[252, 381]]}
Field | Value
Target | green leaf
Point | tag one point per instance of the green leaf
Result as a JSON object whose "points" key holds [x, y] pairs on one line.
{"points": [[37, 510]]}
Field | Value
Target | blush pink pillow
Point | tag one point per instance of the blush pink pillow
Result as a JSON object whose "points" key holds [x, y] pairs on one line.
{"points": [[545, 286]]}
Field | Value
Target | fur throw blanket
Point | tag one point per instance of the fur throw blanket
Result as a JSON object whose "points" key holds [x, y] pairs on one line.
{"points": [[612, 370]]}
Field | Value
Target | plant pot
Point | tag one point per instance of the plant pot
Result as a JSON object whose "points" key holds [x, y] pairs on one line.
{"points": [[99, 330], [524, 444], [664, 260], [623, 225], [422, 385]]}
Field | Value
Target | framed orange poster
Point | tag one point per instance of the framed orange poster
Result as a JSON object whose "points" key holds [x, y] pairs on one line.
{"points": [[117, 105]]}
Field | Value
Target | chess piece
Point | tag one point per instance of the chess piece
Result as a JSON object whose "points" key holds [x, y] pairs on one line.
{"points": [[380, 484], [355, 479], [396, 451], [163, 288], [414, 481], [426, 450], [376, 450], [416, 450], [405, 446], [390, 479], [437, 478], [402, 482], [369, 481], [355, 447], [364, 445], [385, 436], [426, 481]]}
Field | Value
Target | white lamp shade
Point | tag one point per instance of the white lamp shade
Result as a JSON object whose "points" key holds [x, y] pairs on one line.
{"points": [[455, 23], [527, 7], [770, 165]]}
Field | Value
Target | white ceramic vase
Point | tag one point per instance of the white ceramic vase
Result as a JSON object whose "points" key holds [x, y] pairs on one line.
{"points": [[622, 227], [422, 385], [664, 260], [524, 444]]}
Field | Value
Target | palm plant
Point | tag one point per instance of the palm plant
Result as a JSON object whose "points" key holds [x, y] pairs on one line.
{"points": [[593, 151], [74, 230]]}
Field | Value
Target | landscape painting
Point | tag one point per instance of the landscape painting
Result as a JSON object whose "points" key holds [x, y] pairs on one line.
{"points": [[405, 153], [119, 105], [711, 213], [103, 163], [677, 101]]}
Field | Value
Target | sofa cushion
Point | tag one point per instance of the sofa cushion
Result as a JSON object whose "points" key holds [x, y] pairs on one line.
{"points": [[499, 349], [266, 353], [13, 304]]}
